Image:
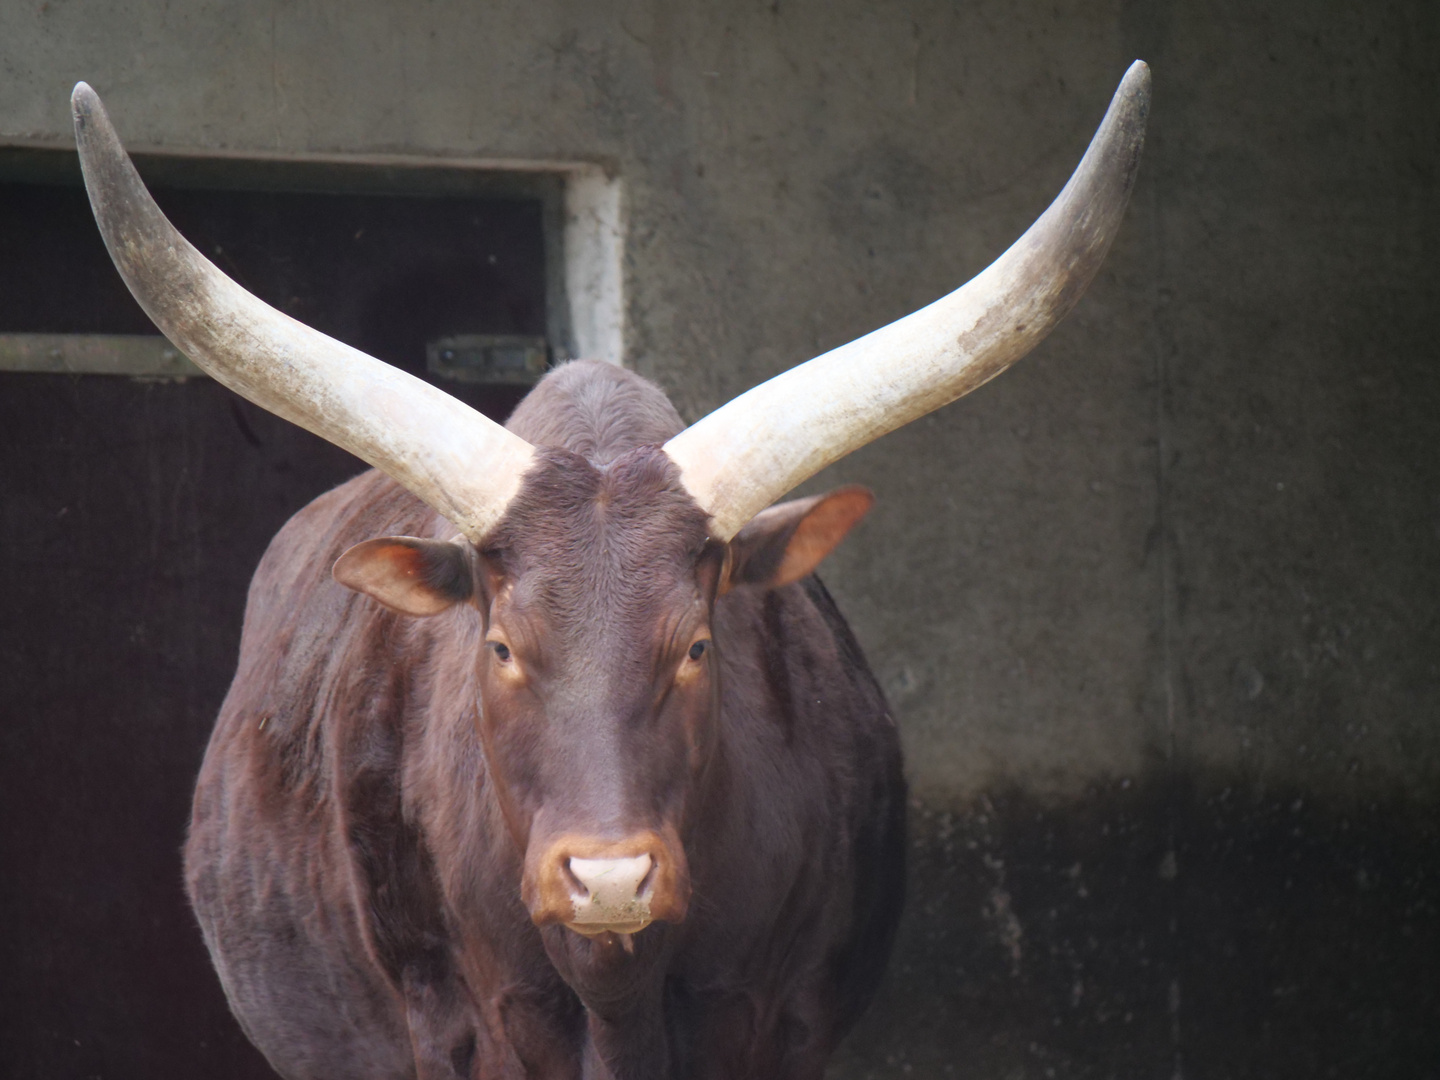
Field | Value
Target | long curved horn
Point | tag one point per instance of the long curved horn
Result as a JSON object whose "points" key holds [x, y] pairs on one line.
{"points": [[750, 452], [463, 464]]}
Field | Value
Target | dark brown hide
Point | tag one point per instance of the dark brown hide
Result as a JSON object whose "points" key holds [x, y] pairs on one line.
{"points": [[368, 853]]}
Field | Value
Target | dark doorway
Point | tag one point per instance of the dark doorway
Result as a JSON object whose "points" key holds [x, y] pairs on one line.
{"points": [[133, 514]]}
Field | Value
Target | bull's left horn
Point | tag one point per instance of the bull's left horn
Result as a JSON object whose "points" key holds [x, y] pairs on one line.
{"points": [[463, 464], [745, 455]]}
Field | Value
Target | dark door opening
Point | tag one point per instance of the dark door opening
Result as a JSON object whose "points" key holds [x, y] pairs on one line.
{"points": [[134, 513]]}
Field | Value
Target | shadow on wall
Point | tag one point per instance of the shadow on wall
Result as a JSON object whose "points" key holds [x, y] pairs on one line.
{"points": [[1188, 926]]}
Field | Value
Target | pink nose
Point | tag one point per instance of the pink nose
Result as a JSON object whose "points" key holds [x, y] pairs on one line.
{"points": [[619, 887], [613, 894]]}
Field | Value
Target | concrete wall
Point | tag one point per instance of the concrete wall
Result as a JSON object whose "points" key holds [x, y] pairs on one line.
{"points": [[1157, 609]]}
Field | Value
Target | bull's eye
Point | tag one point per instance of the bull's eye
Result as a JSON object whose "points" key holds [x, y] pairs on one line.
{"points": [[698, 650], [502, 651]]}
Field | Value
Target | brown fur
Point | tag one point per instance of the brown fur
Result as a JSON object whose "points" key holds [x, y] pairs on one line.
{"points": [[379, 787]]}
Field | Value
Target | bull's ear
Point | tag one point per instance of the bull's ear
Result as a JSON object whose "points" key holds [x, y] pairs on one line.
{"points": [[788, 541], [407, 574]]}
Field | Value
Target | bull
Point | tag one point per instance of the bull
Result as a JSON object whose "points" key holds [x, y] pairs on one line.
{"points": [[581, 773]]}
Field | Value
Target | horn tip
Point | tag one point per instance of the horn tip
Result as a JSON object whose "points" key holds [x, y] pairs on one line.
{"points": [[83, 99], [85, 108], [1136, 82]]}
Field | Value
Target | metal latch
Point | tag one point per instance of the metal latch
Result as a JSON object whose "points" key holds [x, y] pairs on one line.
{"points": [[488, 358]]}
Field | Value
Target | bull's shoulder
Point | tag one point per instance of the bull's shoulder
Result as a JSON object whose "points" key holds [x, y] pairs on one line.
{"points": [[805, 859], [298, 808], [312, 653], [807, 730]]}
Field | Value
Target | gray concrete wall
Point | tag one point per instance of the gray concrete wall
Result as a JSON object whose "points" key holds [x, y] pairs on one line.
{"points": [[1157, 609]]}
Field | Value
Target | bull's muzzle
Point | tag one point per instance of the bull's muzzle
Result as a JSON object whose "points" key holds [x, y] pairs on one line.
{"points": [[598, 886]]}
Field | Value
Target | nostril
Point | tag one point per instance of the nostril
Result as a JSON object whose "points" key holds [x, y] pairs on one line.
{"points": [[572, 883], [647, 883]]}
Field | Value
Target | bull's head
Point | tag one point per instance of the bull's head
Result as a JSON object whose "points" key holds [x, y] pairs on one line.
{"points": [[596, 579], [598, 673]]}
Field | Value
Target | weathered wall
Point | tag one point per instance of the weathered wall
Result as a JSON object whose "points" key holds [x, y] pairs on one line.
{"points": [[1157, 609]]}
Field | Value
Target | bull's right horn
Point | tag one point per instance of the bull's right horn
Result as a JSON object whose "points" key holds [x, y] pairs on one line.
{"points": [[745, 455], [463, 464]]}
